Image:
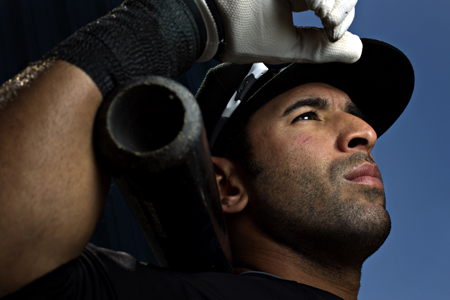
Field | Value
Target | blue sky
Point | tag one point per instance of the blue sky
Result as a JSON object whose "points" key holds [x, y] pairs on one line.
{"points": [[414, 263]]}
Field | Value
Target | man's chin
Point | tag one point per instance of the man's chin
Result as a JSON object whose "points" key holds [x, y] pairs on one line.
{"points": [[367, 194]]}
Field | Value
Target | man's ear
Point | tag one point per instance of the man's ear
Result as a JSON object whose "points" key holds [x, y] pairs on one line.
{"points": [[231, 183]]}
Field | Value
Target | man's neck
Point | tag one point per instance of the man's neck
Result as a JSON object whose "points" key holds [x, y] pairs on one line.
{"points": [[342, 283], [256, 252]]}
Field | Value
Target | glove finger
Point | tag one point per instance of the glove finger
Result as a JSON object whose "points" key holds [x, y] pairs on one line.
{"points": [[314, 46], [339, 13], [322, 8], [335, 33], [304, 5], [299, 5]]}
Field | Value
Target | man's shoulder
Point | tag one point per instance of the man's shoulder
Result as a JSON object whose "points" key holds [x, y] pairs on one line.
{"points": [[100, 273], [155, 280], [256, 285]]}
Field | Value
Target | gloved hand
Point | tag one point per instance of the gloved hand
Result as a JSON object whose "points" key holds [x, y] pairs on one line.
{"points": [[263, 31], [336, 15]]}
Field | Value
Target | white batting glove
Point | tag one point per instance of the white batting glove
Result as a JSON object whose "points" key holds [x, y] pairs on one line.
{"points": [[263, 31], [336, 15]]}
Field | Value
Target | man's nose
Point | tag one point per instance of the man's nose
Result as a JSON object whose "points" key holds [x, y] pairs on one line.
{"points": [[355, 134]]}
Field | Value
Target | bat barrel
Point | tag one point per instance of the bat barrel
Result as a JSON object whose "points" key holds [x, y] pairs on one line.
{"points": [[151, 137]]}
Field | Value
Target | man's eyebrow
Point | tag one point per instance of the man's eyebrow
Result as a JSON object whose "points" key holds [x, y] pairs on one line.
{"points": [[319, 103], [353, 109]]}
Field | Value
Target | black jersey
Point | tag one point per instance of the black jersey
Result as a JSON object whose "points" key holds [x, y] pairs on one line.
{"points": [[99, 274]]}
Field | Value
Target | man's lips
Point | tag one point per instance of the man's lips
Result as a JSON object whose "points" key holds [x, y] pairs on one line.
{"points": [[365, 174]]}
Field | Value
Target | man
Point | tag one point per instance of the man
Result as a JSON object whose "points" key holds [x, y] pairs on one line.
{"points": [[301, 192], [304, 199]]}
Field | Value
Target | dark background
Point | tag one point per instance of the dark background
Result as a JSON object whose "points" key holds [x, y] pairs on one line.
{"points": [[30, 28]]}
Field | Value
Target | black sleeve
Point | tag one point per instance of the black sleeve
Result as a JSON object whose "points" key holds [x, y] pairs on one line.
{"points": [[138, 38], [82, 278], [102, 274]]}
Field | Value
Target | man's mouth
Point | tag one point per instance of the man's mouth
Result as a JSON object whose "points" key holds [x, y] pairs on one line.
{"points": [[365, 173]]}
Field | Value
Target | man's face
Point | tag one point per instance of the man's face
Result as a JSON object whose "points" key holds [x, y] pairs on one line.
{"points": [[318, 190]]}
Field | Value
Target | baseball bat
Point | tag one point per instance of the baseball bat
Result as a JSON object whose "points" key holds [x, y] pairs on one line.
{"points": [[151, 138]]}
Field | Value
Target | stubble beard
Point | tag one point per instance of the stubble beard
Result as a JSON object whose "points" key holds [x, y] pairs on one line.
{"points": [[307, 212]]}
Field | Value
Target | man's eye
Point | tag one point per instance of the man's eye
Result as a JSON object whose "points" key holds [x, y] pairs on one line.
{"points": [[310, 115]]}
